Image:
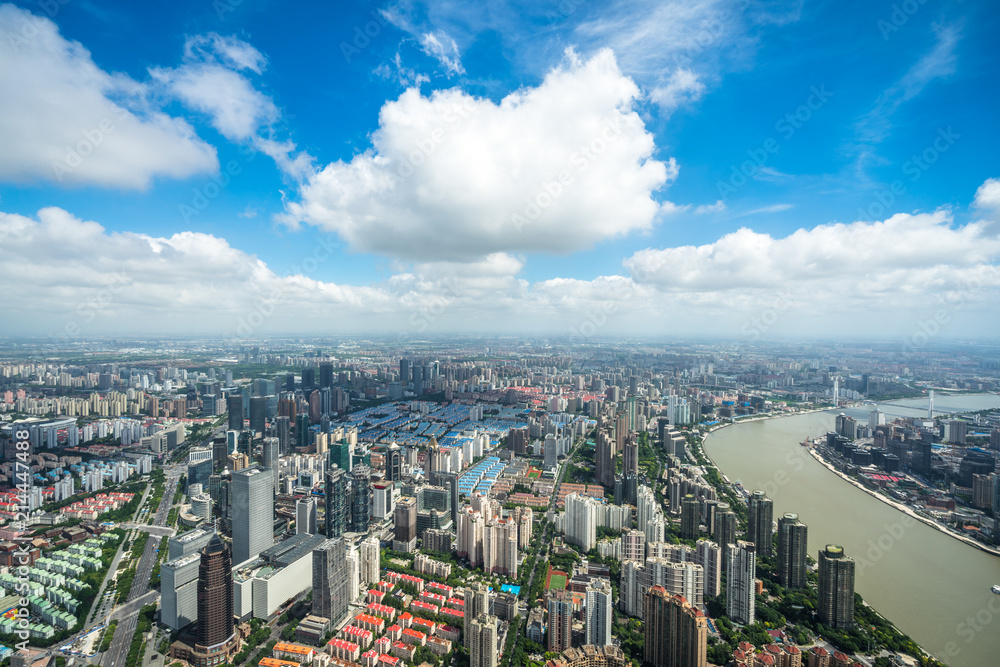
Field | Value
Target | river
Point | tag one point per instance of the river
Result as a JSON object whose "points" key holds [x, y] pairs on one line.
{"points": [[931, 586]]}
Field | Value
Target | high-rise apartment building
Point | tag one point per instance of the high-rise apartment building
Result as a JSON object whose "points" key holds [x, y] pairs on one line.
{"points": [[483, 648], [792, 551], [361, 498], [337, 502], [305, 516], [598, 620], [740, 577], [580, 522], [676, 633], [560, 621], [835, 603], [760, 523], [690, 517]]}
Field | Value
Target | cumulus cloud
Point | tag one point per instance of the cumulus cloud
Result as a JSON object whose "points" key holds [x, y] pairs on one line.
{"points": [[681, 87], [64, 119], [555, 168], [906, 256]]}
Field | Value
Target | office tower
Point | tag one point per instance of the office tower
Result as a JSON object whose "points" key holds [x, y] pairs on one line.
{"points": [[760, 523], [219, 453], [690, 516], [179, 591], [340, 455], [234, 406], [258, 407], [598, 623], [370, 557], [308, 379], [393, 463], [405, 538], [302, 438], [725, 526], [920, 460], [709, 556], [290, 382], [337, 502], [270, 454], [477, 603], [580, 522], [792, 550], [449, 480], [244, 443], [604, 458], [198, 473], [560, 621], [284, 430], [330, 581], [483, 648], [404, 371], [305, 516], [361, 506], [215, 594], [835, 595], [741, 573], [252, 511], [676, 633], [326, 374]]}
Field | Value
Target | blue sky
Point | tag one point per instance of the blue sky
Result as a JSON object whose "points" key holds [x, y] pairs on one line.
{"points": [[716, 156]]}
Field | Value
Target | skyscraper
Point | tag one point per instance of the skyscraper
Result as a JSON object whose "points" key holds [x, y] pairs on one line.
{"points": [[258, 412], [599, 603], [271, 452], [630, 457], [690, 516], [483, 649], [252, 511], [580, 524], [477, 603], [361, 505], [725, 526], [284, 429], [369, 559], [234, 406], [405, 538], [393, 463], [215, 594], [330, 581], [337, 502], [302, 438], [760, 523], [676, 633], [792, 550], [305, 516], [326, 374], [604, 458], [560, 621], [741, 572], [835, 603]]}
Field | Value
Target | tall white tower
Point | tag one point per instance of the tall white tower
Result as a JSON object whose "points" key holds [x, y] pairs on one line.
{"points": [[930, 405], [836, 391]]}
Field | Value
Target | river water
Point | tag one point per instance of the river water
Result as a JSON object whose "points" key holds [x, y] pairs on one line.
{"points": [[930, 585]]}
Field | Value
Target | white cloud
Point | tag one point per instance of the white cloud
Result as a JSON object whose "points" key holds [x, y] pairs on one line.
{"points": [[453, 177], [682, 87], [211, 80], [64, 119], [440, 46], [988, 196], [717, 207], [906, 254]]}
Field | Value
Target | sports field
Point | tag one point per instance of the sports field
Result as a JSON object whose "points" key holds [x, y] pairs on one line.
{"points": [[555, 580]]}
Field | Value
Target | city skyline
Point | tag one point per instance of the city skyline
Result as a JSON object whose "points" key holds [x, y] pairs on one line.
{"points": [[583, 170]]}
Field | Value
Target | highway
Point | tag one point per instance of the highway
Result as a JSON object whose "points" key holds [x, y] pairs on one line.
{"points": [[128, 613]]}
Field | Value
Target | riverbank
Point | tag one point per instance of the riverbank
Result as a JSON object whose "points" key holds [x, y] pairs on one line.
{"points": [[901, 507]]}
